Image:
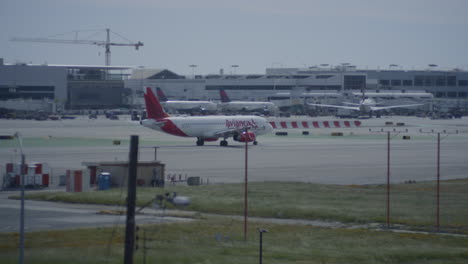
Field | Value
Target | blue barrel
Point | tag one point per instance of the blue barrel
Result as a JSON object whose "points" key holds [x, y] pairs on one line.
{"points": [[104, 181]]}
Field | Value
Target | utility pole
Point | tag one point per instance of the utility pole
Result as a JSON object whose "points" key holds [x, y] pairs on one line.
{"points": [[388, 169], [438, 171], [261, 231], [131, 199], [246, 186]]}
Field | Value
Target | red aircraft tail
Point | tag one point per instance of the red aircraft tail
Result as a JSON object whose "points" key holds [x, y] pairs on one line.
{"points": [[162, 97], [224, 96], [153, 107]]}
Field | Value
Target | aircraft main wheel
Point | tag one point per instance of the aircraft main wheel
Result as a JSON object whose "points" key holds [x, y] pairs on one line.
{"points": [[255, 143], [200, 142], [223, 143]]}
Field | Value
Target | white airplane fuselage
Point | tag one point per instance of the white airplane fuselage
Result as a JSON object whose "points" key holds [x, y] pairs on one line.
{"points": [[248, 106], [190, 105], [208, 126]]}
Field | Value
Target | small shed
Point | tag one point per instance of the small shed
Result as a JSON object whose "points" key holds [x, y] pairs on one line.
{"points": [[149, 173]]}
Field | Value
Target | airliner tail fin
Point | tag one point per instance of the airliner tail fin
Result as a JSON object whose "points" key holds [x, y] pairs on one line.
{"points": [[153, 107], [224, 96], [162, 97]]}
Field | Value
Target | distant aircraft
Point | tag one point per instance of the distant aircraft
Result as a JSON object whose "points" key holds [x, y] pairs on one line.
{"points": [[185, 106], [204, 128], [365, 106], [244, 106]]}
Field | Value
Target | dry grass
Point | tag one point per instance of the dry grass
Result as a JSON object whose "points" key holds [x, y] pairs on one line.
{"points": [[411, 204], [216, 240]]}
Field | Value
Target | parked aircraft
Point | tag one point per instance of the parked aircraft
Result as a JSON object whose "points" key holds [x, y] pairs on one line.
{"points": [[365, 106], [185, 106], [244, 106], [204, 128]]}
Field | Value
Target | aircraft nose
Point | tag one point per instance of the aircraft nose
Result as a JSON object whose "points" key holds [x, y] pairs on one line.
{"points": [[269, 128]]}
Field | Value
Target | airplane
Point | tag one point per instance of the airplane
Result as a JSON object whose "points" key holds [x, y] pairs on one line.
{"points": [[228, 106], [186, 106], [204, 128], [365, 106]]}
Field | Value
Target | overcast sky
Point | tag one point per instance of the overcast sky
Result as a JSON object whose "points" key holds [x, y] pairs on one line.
{"points": [[254, 34]]}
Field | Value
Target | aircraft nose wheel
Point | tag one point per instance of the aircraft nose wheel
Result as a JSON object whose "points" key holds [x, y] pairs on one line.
{"points": [[255, 143], [223, 143]]}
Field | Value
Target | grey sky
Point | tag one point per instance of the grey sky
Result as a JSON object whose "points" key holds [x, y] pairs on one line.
{"points": [[253, 34]]}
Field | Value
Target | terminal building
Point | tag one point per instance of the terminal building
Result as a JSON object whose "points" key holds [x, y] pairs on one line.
{"points": [[62, 87], [75, 87], [289, 87]]}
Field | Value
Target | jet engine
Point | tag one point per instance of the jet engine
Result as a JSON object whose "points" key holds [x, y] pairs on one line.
{"points": [[245, 137]]}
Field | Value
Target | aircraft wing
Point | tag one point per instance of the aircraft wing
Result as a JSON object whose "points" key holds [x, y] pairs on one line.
{"points": [[337, 106], [350, 103], [377, 108]]}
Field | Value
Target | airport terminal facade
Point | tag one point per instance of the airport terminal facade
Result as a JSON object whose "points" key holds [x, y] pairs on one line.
{"points": [[296, 86], [58, 87], [99, 87]]}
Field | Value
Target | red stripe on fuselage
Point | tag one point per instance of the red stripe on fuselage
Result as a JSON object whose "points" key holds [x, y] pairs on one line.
{"points": [[273, 124], [304, 124]]}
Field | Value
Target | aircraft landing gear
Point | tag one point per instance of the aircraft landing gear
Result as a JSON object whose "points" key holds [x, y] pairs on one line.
{"points": [[200, 142], [255, 143], [223, 143]]}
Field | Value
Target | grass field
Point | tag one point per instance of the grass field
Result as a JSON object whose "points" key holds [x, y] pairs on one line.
{"points": [[215, 240], [412, 205]]}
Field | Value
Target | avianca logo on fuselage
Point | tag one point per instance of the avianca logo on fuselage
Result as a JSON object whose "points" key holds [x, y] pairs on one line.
{"points": [[241, 123]]}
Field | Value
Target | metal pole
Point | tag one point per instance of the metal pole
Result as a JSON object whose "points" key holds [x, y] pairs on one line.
{"points": [[245, 191], [131, 198], [261, 231], [438, 182], [144, 246], [23, 169], [388, 179], [261, 247]]}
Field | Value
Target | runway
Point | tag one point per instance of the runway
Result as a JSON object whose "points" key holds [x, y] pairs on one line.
{"points": [[358, 157]]}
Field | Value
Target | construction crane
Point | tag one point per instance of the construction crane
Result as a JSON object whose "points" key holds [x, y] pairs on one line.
{"points": [[104, 43]]}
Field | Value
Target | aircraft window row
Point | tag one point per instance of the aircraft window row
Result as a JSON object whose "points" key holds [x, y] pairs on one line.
{"points": [[248, 87], [204, 124]]}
